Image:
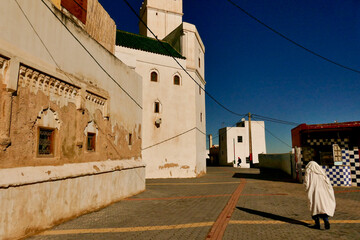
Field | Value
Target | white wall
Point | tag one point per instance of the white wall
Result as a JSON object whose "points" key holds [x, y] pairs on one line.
{"points": [[177, 157], [228, 140], [161, 16]]}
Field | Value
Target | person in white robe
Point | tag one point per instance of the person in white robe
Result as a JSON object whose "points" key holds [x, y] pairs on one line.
{"points": [[320, 193]]}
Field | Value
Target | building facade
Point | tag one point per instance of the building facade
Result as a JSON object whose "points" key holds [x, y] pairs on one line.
{"points": [[234, 143], [70, 137], [174, 124], [334, 146]]}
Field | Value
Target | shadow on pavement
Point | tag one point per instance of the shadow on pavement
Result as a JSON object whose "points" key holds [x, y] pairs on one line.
{"points": [[265, 174], [273, 216]]}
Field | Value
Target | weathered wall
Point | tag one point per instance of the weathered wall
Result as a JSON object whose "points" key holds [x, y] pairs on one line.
{"points": [[47, 196], [100, 25], [284, 162], [48, 80], [75, 89]]}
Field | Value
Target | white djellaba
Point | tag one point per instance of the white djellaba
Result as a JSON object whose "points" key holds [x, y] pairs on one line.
{"points": [[320, 192]]}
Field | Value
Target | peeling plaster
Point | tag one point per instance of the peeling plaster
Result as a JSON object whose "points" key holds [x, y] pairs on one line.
{"points": [[169, 165]]}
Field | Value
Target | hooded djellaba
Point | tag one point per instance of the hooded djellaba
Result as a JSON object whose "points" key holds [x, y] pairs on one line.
{"points": [[320, 193]]}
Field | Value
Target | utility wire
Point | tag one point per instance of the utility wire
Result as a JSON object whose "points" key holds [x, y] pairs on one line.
{"points": [[42, 42], [108, 75], [273, 134], [275, 120], [102, 68], [292, 41], [162, 45]]}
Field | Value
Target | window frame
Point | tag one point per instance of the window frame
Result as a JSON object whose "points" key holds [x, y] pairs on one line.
{"points": [[151, 76], [93, 142], [239, 138], [52, 142], [156, 107], [178, 78]]}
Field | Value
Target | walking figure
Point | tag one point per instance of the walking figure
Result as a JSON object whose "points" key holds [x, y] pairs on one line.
{"points": [[239, 162], [320, 193]]}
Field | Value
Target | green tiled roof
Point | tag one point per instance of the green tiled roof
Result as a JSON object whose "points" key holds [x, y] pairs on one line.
{"points": [[139, 42]]}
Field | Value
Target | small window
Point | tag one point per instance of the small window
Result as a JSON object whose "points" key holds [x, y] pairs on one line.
{"points": [[200, 117], [199, 62], [176, 80], [154, 76], [130, 139], [156, 107], [46, 142], [199, 89], [240, 139], [91, 142]]}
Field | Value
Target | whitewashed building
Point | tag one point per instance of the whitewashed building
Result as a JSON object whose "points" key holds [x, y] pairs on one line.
{"points": [[173, 123], [234, 143]]}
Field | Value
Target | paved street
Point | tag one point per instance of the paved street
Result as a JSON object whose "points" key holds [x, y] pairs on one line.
{"points": [[226, 203]]}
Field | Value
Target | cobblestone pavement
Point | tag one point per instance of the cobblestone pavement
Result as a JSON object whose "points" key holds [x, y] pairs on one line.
{"points": [[226, 203]]}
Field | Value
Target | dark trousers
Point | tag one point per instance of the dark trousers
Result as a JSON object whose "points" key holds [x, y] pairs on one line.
{"points": [[325, 217]]}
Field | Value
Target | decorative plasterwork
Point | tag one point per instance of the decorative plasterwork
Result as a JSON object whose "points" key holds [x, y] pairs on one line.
{"points": [[36, 80], [4, 63], [95, 98], [48, 118]]}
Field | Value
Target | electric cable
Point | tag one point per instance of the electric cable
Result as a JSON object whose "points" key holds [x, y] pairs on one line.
{"points": [[42, 42], [102, 68], [290, 40], [275, 120], [273, 134], [162, 45]]}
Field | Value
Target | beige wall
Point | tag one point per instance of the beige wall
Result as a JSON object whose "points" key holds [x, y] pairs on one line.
{"points": [[75, 88], [60, 86], [100, 25], [29, 208]]}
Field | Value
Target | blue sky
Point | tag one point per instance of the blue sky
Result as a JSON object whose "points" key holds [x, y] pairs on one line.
{"points": [[248, 68]]}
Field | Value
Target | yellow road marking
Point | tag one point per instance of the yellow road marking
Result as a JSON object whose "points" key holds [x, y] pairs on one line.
{"points": [[179, 226], [127, 229], [206, 183]]}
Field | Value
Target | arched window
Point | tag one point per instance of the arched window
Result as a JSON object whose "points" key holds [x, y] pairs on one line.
{"points": [[176, 80], [154, 76]]}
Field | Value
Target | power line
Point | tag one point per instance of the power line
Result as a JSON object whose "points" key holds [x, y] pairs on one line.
{"points": [[42, 42], [275, 120], [273, 134], [102, 68], [108, 75], [162, 45], [292, 41]]}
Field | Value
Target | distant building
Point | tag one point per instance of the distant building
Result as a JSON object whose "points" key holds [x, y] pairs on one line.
{"points": [[334, 146], [174, 124], [234, 143], [70, 137]]}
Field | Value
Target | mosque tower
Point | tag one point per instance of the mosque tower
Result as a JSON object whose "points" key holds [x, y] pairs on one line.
{"points": [[161, 16]]}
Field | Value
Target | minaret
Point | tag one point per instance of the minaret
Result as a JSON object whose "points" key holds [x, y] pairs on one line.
{"points": [[161, 16]]}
